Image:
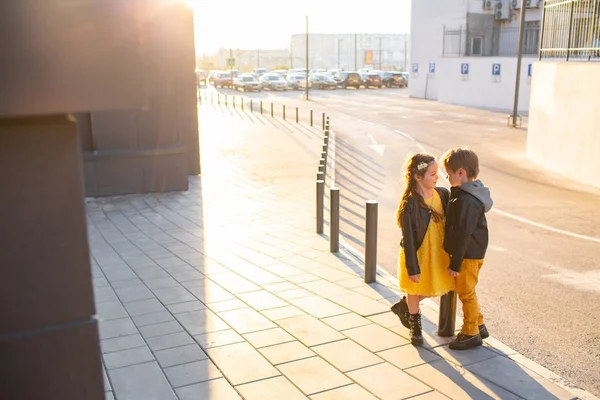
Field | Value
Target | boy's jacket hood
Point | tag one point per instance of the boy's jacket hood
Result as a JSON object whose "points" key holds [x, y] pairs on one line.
{"points": [[479, 191]]}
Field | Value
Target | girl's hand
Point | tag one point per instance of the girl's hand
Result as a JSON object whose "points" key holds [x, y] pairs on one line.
{"points": [[453, 273], [415, 278]]}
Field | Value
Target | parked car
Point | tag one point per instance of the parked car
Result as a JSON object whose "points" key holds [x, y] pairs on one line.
{"points": [[222, 79], [345, 79], [281, 72], [247, 82], [259, 71], [273, 81], [405, 76], [295, 81], [211, 76], [323, 81], [371, 79], [200, 77], [389, 79]]}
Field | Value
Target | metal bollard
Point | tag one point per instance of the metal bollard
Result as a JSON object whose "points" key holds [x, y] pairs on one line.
{"points": [[334, 220], [371, 242], [219, 98], [324, 148], [225, 99], [284, 112], [233, 101], [296, 114], [271, 110], [242, 103], [447, 318], [320, 196], [320, 176], [261, 107], [323, 121], [326, 139], [251, 106], [311, 118], [322, 168], [212, 100]]}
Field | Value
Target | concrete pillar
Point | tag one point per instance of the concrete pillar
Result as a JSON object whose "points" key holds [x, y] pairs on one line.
{"points": [[48, 330]]}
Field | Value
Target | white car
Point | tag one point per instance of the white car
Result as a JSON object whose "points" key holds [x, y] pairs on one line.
{"points": [[273, 81], [296, 81]]}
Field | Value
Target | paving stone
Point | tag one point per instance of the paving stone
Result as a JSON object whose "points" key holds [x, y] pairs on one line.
{"points": [[187, 306], [173, 295], [268, 337], [220, 338], [521, 381], [282, 312], [433, 395], [387, 319], [325, 288], [161, 283], [272, 388], [111, 310], [346, 321], [201, 321], [151, 272], [377, 291], [375, 338], [313, 375], [214, 389], [122, 343], [127, 283], [207, 291], [116, 328], [280, 287], [458, 383], [170, 262], [388, 382], [331, 274], [284, 270], [141, 382], [169, 341], [133, 293], [104, 294], [128, 357], [118, 274], [226, 305], [318, 306], [142, 307], [187, 275], [179, 355], [302, 278], [194, 372], [105, 380], [246, 320], [353, 392], [309, 330], [408, 356], [351, 283], [465, 358], [150, 319], [234, 283], [360, 304], [295, 294], [100, 282], [241, 363], [163, 328], [262, 300], [346, 355]]}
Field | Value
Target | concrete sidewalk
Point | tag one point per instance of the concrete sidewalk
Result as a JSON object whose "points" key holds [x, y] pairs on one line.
{"points": [[225, 291]]}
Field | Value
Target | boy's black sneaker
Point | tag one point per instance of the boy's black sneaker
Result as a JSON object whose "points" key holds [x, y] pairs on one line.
{"points": [[401, 310], [483, 332], [465, 342]]}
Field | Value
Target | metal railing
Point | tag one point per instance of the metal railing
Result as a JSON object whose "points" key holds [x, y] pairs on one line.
{"points": [[500, 42], [571, 30]]}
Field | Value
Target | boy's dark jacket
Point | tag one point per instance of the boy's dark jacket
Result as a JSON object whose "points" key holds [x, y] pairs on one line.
{"points": [[414, 229], [466, 235]]}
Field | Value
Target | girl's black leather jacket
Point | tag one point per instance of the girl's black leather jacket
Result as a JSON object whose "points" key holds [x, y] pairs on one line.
{"points": [[414, 222]]}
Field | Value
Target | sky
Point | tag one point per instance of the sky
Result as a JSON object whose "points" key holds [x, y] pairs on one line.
{"points": [[269, 24]]}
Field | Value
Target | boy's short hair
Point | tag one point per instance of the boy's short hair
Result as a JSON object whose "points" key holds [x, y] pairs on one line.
{"points": [[460, 157]]}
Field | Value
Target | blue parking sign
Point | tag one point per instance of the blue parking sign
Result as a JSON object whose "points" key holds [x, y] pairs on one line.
{"points": [[496, 69], [529, 70], [432, 68], [464, 69], [415, 68]]}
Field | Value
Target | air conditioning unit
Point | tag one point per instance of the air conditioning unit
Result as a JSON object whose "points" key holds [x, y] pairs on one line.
{"points": [[533, 3], [502, 10], [516, 4], [488, 4]]}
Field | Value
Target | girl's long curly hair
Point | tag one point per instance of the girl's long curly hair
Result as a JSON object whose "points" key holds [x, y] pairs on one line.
{"points": [[411, 169]]}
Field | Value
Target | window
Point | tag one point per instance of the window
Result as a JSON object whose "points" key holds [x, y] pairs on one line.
{"points": [[476, 46]]}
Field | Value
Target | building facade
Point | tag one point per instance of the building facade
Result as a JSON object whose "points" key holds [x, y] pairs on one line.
{"points": [[246, 60], [464, 51]]}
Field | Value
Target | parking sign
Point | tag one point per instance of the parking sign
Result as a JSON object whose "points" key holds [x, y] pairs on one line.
{"points": [[432, 68], [464, 69], [415, 68], [496, 69], [529, 70], [231, 62]]}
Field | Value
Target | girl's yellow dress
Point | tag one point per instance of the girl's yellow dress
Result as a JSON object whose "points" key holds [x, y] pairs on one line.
{"points": [[433, 260]]}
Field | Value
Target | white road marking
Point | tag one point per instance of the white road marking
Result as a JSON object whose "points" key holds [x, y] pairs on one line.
{"points": [[377, 148], [497, 248], [588, 281]]}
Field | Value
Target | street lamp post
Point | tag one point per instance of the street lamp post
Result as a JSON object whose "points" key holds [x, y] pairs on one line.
{"points": [[519, 57], [379, 53], [339, 45], [307, 57]]}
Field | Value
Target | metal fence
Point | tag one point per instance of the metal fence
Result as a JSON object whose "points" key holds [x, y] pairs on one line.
{"points": [[571, 30], [501, 42]]}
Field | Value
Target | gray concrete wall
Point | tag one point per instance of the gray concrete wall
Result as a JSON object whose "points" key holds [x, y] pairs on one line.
{"points": [[49, 343], [564, 126]]}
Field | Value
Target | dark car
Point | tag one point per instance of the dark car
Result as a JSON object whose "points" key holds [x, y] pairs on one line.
{"points": [[323, 81], [348, 79], [389, 79], [248, 82], [371, 79]]}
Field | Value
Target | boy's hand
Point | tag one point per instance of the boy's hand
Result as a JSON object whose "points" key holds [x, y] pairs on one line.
{"points": [[415, 278], [453, 273]]}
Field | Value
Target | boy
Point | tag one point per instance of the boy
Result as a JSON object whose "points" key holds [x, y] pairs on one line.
{"points": [[466, 239]]}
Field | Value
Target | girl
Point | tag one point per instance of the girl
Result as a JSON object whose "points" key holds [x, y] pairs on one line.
{"points": [[423, 261]]}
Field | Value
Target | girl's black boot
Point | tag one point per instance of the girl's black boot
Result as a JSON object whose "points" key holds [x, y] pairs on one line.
{"points": [[416, 335]]}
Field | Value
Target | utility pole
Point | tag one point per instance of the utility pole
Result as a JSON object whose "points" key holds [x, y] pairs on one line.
{"points": [[231, 67], [339, 46], [257, 58], [405, 50], [307, 57], [356, 51], [519, 57], [291, 56], [379, 53]]}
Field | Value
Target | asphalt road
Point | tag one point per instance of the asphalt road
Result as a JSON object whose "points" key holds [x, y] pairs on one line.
{"points": [[540, 285]]}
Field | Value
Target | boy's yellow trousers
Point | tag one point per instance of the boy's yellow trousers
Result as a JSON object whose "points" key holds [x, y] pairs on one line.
{"points": [[465, 288]]}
